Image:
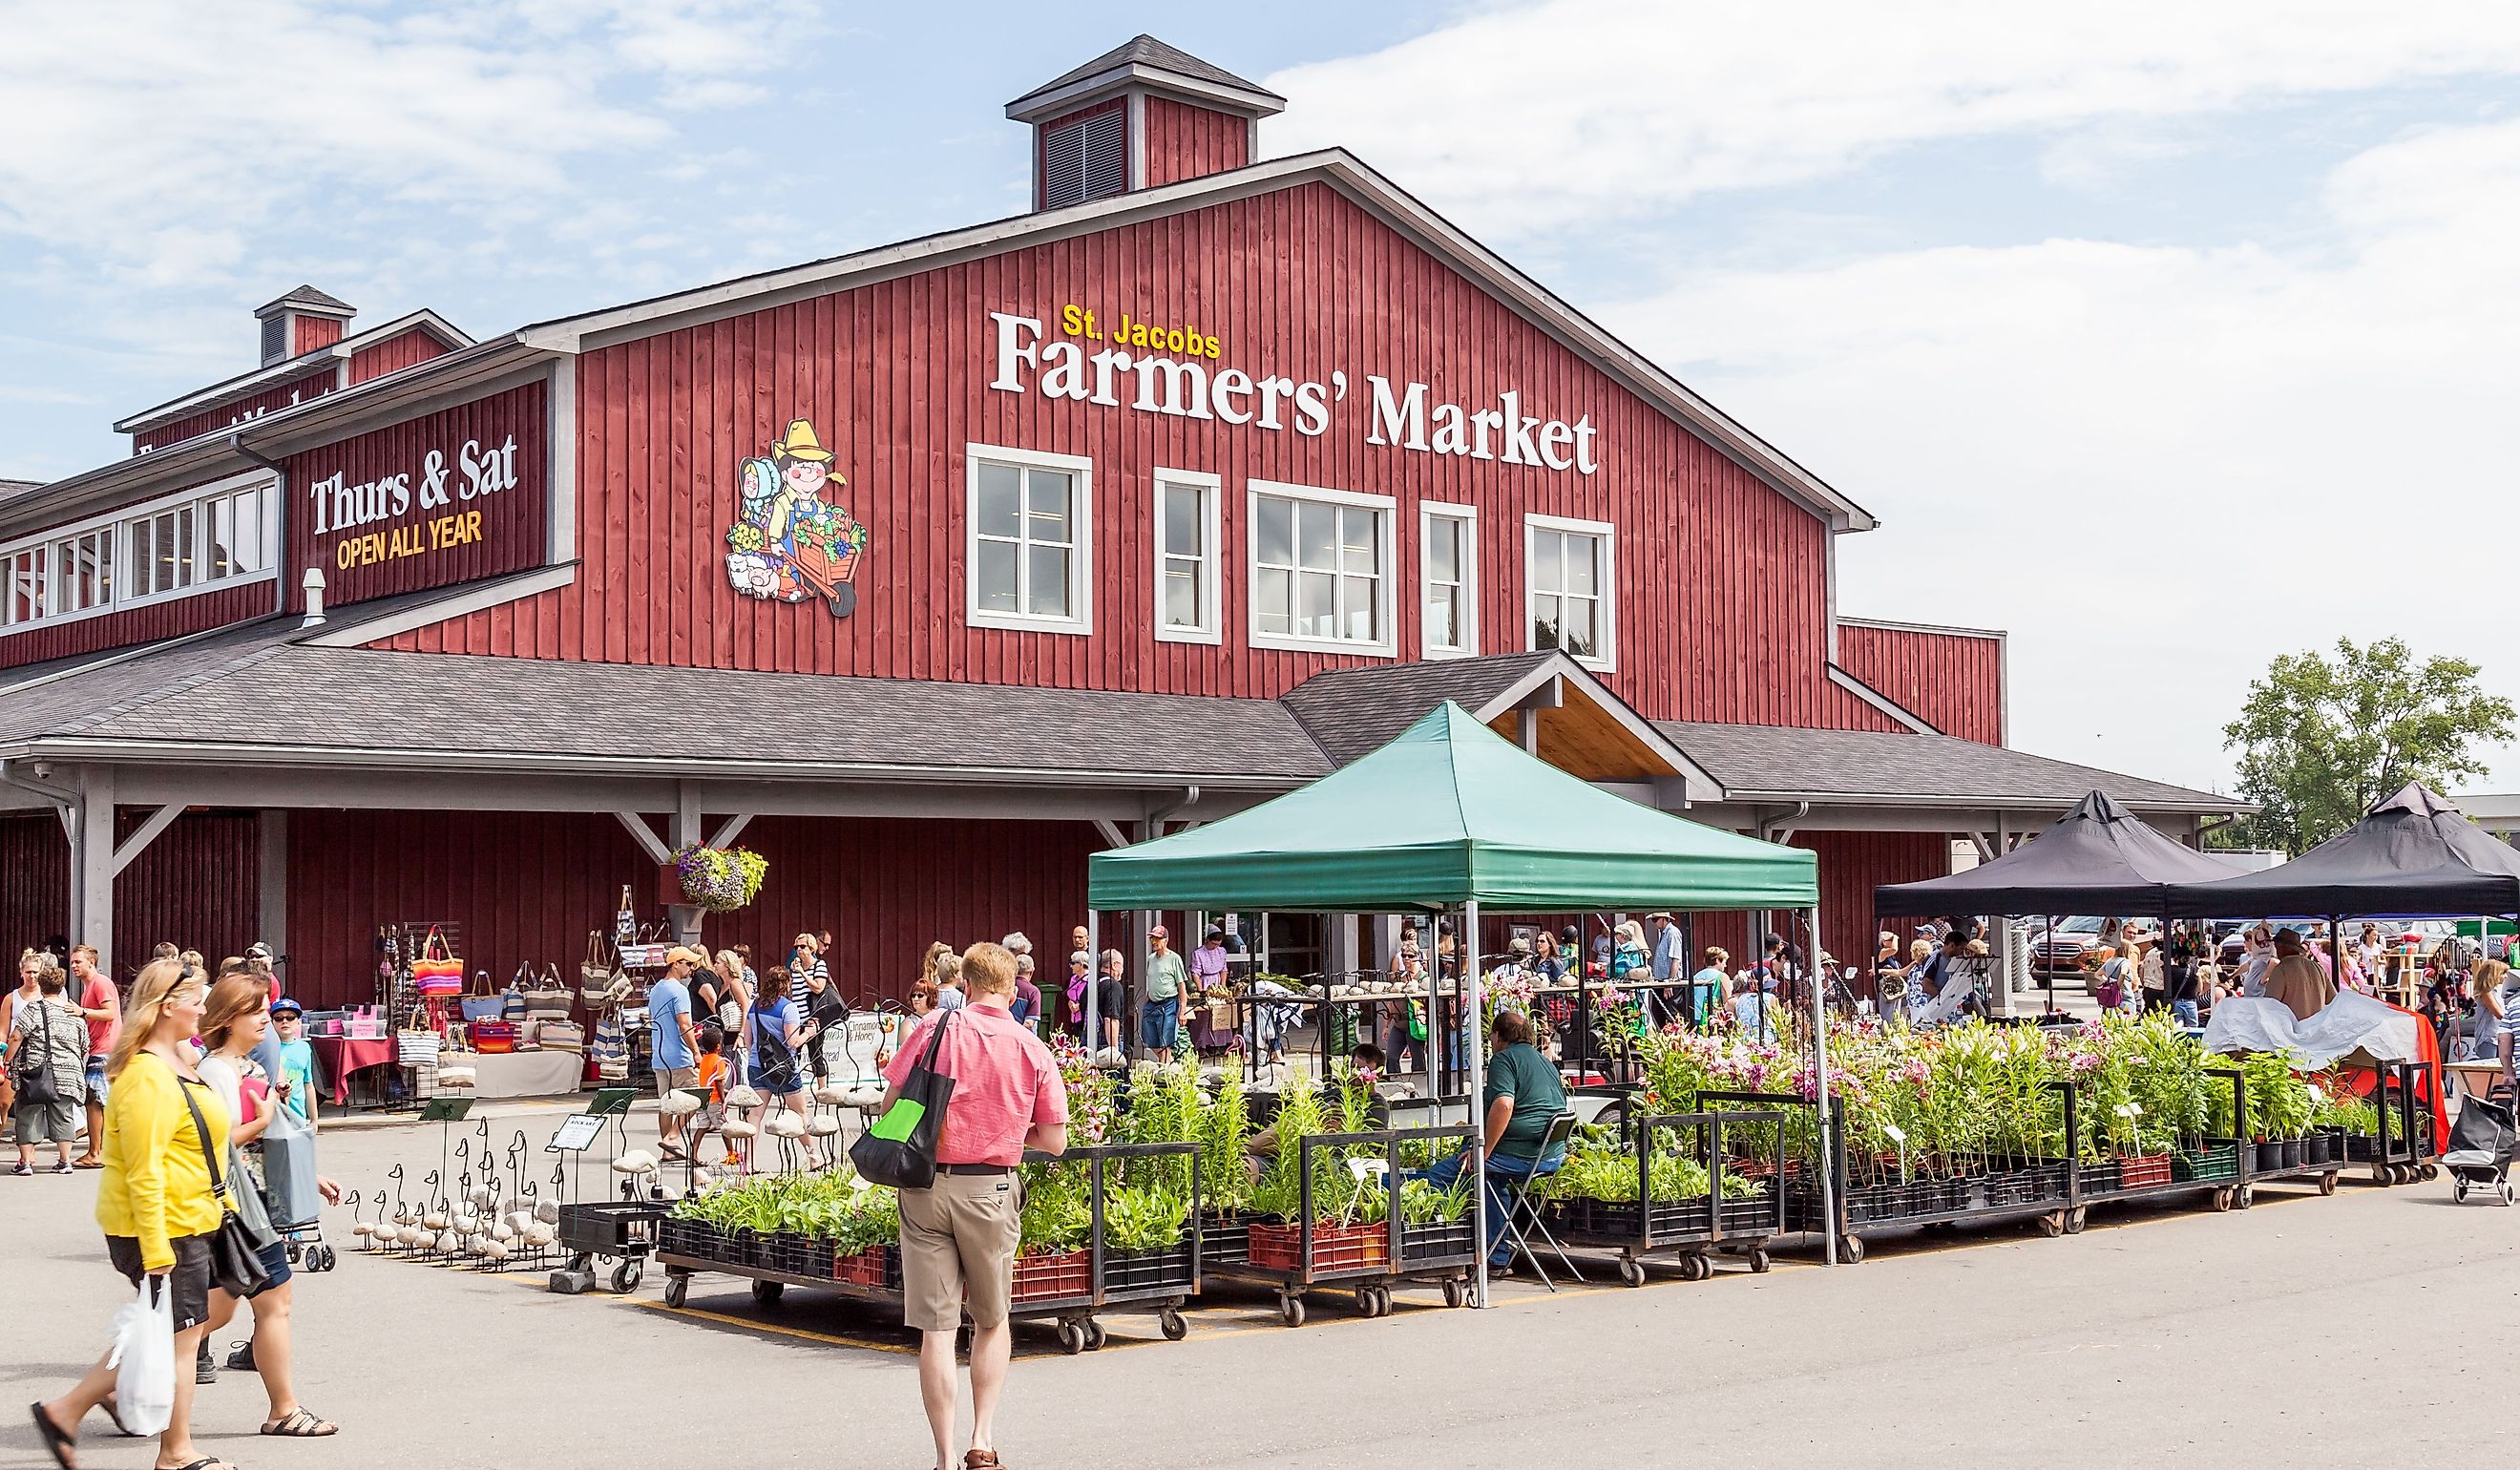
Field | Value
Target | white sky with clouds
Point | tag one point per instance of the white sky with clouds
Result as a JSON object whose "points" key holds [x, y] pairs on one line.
{"points": [[2168, 338]]}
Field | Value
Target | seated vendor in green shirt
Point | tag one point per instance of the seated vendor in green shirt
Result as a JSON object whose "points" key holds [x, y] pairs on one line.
{"points": [[1524, 1095]]}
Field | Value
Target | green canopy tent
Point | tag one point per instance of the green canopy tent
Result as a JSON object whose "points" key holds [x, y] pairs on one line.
{"points": [[1450, 815]]}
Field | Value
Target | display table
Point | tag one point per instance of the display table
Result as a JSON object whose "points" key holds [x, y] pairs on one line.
{"points": [[523, 1074], [338, 1057]]}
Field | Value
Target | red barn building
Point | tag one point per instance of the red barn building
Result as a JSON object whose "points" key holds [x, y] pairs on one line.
{"points": [[930, 569]]}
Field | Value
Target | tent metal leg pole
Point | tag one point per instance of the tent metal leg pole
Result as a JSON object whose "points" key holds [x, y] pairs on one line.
{"points": [[1468, 951], [1094, 988], [1820, 1074]]}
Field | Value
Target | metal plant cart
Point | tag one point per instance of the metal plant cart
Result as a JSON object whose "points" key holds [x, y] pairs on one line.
{"points": [[1371, 1261], [1072, 1295], [1689, 1232]]}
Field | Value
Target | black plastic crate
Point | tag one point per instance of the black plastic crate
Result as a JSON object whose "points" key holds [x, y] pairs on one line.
{"points": [[1747, 1216], [1224, 1239], [1148, 1270], [612, 1227], [1629, 1219], [1439, 1240]]}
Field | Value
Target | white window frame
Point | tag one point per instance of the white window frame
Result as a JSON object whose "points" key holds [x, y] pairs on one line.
{"points": [[1080, 601], [1607, 659], [1386, 571], [1468, 518], [1211, 523], [116, 521]]}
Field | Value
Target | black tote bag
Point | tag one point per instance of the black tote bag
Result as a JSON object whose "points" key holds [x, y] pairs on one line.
{"points": [[235, 1251], [900, 1151]]}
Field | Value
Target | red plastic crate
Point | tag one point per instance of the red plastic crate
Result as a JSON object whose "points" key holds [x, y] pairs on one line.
{"points": [[1358, 1247], [864, 1268], [1069, 1273], [2143, 1172]]}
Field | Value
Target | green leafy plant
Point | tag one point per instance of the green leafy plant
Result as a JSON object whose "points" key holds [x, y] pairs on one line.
{"points": [[1146, 1218]]}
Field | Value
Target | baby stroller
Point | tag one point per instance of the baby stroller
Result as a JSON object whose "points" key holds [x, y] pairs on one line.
{"points": [[2480, 1148]]}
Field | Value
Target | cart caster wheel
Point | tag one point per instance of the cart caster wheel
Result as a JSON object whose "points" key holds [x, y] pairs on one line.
{"points": [[678, 1290], [1096, 1334], [2328, 1183], [2052, 1223], [2247, 1196], [1631, 1272], [1175, 1327], [1697, 1268], [2221, 1200], [1071, 1338], [2459, 1191], [1291, 1311], [625, 1278], [1456, 1293], [1382, 1301], [295, 1252], [2075, 1219], [2510, 1192], [1760, 1261], [766, 1294], [1853, 1252], [2429, 1172]]}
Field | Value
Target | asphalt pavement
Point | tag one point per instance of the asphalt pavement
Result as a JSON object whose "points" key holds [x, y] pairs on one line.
{"points": [[2369, 1327]]}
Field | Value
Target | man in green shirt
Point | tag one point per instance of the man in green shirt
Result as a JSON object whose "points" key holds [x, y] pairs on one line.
{"points": [[1167, 1002], [1524, 1095]]}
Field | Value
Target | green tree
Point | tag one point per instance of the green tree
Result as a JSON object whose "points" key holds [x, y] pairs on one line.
{"points": [[2324, 740]]}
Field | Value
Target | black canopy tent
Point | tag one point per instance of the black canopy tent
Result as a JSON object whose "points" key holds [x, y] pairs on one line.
{"points": [[2099, 858], [2414, 856]]}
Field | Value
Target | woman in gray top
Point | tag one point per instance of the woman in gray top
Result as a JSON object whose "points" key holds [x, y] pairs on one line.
{"points": [[48, 1037]]}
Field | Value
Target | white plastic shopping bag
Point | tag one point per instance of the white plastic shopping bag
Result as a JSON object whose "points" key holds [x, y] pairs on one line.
{"points": [[143, 1358]]}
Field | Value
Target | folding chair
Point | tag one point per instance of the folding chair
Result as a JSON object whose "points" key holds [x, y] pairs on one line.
{"points": [[1522, 1214]]}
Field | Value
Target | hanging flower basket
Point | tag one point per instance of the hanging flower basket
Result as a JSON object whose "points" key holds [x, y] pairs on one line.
{"points": [[720, 880]]}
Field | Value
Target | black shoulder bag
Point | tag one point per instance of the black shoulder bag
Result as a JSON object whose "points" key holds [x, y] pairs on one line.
{"points": [[900, 1150], [236, 1256], [35, 1085]]}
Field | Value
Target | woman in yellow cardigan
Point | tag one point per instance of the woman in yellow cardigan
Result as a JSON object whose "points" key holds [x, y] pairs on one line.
{"points": [[153, 1198]]}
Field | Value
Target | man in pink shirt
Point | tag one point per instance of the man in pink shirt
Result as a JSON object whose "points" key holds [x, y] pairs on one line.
{"points": [[958, 1237], [102, 1005]]}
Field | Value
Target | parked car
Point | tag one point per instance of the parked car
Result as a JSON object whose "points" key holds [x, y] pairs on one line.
{"points": [[2062, 953]]}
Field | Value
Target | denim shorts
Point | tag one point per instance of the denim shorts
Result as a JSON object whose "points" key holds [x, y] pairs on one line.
{"points": [[1159, 1024]]}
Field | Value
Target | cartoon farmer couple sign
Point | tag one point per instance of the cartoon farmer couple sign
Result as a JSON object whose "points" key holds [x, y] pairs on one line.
{"points": [[792, 544]]}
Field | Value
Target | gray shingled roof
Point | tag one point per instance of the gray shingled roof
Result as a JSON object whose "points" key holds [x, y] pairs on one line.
{"points": [[93, 688], [301, 696], [1146, 51], [1352, 712], [1769, 761], [16, 488], [307, 296]]}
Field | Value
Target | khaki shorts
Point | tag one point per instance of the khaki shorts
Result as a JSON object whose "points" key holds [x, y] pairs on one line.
{"points": [[670, 1078], [958, 1250]]}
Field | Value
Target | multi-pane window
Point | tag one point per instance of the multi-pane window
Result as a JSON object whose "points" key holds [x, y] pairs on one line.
{"points": [[1032, 552], [163, 554], [232, 524], [1570, 582], [1321, 567], [173, 547], [1186, 557], [1448, 575], [28, 579], [83, 571]]}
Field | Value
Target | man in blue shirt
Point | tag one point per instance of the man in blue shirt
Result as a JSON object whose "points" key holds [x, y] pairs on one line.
{"points": [[1670, 963], [673, 1048]]}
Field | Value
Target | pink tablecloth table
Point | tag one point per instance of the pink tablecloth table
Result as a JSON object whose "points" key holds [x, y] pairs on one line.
{"points": [[340, 1057]]}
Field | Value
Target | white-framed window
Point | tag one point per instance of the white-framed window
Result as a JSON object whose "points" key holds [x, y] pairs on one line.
{"points": [[1447, 579], [1188, 558], [1030, 551], [171, 547], [1573, 583], [29, 575], [1320, 568]]}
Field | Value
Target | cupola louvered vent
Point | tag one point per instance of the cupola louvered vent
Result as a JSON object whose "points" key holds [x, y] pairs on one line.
{"points": [[1084, 160]]}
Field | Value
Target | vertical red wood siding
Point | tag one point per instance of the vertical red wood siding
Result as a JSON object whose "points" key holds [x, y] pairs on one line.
{"points": [[315, 331], [314, 383], [197, 886], [1850, 866], [38, 642], [1722, 605], [1952, 681], [1185, 142], [529, 886], [513, 521], [401, 350], [34, 883]]}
